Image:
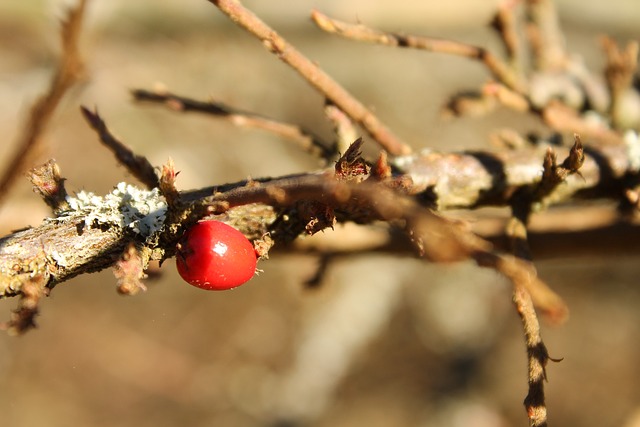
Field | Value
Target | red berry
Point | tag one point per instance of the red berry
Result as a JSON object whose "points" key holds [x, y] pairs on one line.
{"points": [[215, 256]]}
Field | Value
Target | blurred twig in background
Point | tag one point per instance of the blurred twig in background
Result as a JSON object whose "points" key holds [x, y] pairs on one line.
{"points": [[68, 72]]}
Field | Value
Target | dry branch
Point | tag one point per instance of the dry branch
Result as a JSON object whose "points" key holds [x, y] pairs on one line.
{"points": [[68, 72], [437, 239], [314, 75], [537, 356], [129, 227], [452, 180], [545, 36], [306, 140], [557, 234], [137, 165], [622, 65], [359, 32], [505, 23]]}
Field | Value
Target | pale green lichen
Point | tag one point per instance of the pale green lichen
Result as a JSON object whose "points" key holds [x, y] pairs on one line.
{"points": [[129, 207]]}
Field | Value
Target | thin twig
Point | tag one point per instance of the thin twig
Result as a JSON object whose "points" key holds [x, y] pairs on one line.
{"points": [[545, 36], [314, 75], [306, 140], [606, 238], [504, 23], [362, 33], [556, 114], [68, 72], [537, 356], [565, 119], [522, 206], [343, 127], [622, 65], [136, 164]]}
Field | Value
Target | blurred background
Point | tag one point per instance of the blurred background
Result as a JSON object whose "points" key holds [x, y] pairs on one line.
{"points": [[386, 341]]}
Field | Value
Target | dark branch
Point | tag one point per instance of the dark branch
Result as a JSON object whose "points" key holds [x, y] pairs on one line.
{"points": [[137, 165], [306, 140]]}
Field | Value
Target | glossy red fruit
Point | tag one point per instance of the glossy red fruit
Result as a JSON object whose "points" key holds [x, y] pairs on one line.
{"points": [[215, 256]]}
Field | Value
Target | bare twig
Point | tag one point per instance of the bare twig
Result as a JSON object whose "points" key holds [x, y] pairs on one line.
{"points": [[68, 72], [522, 205], [136, 164], [545, 36], [314, 75], [306, 140], [468, 103], [556, 114], [362, 33], [315, 281], [507, 97], [554, 234], [537, 356], [343, 127], [565, 119], [622, 65], [504, 23]]}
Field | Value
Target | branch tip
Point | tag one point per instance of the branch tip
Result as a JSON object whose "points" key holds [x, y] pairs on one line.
{"points": [[137, 165]]}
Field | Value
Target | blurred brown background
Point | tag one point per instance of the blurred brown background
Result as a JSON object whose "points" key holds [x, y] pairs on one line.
{"points": [[386, 341]]}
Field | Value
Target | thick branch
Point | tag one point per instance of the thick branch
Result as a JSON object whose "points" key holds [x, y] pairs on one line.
{"points": [[436, 238], [450, 180], [471, 179], [58, 250]]}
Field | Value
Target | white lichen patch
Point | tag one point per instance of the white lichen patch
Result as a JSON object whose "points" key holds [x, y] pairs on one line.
{"points": [[140, 211], [632, 141], [58, 258]]}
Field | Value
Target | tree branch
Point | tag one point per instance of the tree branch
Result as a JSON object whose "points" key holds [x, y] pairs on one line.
{"points": [[69, 70], [314, 75], [306, 140], [359, 32], [137, 165]]}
